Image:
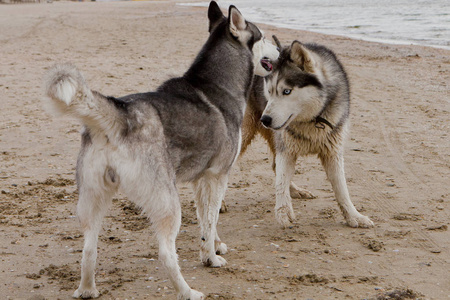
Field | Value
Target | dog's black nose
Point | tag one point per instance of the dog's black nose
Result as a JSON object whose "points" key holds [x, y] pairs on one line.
{"points": [[266, 120]]}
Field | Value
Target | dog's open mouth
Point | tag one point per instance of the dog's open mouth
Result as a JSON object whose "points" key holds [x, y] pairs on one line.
{"points": [[266, 64]]}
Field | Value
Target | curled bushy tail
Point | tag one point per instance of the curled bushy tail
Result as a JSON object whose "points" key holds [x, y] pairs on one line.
{"points": [[70, 94], [67, 88]]}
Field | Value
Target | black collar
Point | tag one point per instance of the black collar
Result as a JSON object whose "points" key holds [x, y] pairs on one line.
{"points": [[321, 122]]}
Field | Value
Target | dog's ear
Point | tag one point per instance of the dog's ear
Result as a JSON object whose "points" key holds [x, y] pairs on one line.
{"points": [[302, 57], [236, 21], [215, 15], [277, 42]]}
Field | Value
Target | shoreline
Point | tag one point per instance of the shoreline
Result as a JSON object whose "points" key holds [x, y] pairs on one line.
{"points": [[366, 39], [397, 167], [361, 37]]}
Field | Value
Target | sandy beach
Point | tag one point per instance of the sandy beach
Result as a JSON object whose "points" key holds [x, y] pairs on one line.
{"points": [[397, 166]]}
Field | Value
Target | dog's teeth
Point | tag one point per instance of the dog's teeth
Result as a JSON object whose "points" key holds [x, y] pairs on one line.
{"points": [[265, 63]]}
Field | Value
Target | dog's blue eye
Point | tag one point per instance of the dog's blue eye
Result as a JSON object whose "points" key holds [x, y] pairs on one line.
{"points": [[287, 91]]}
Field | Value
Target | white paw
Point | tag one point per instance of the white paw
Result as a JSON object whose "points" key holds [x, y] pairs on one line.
{"points": [[221, 248], [285, 215], [196, 295], [215, 261], [359, 220], [86, 293], [193, 295], [299, 193]]}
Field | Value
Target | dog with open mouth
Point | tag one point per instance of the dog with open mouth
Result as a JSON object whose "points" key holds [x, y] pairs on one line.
{"points": [[269, 53]]}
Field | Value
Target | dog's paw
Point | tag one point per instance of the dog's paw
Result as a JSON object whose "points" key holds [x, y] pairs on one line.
{"points": [[215, 261], [221, 248], [223, 208], [193, 295], [359, 220], [285, 215], [299, 193], [86, 293]]}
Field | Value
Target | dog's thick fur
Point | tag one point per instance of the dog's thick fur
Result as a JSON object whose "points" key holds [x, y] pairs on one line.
{"points": [[186, 131], [304, 108]]}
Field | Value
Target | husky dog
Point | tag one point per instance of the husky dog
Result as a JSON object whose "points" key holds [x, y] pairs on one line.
{"points": [[307, 112], [264, 52], [186, 131]]}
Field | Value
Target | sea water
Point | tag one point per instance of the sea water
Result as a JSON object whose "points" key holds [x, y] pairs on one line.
{"points": [[419, 22]]}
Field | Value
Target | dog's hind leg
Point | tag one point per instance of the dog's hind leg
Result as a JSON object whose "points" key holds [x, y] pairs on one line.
{"points": [[149, 181], [285, 168], [334, 167], [96, 189], [166, 223], [209, 193], [157, 195]]}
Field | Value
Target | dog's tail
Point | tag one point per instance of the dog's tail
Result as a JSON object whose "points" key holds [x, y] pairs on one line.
{"points": [[69, 94]]}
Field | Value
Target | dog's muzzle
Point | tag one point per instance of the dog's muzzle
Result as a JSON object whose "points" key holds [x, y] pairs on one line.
{"points": [[266, 64], [266, 121]]}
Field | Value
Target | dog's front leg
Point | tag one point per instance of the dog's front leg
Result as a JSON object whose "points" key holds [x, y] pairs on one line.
{"points": [[209, 192], [295, 191], [334, 167], [284, 171]]}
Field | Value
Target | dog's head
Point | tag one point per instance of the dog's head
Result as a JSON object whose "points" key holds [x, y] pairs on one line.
{"points": [[264, 56], [295, 88], [247, 34]]}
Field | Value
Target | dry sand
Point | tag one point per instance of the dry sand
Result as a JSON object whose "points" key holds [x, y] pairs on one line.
{"points": [[397, 164]]}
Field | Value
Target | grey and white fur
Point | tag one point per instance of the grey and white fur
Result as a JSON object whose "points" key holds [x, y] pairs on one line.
{"points": [[305, 110], [143, 144]]}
